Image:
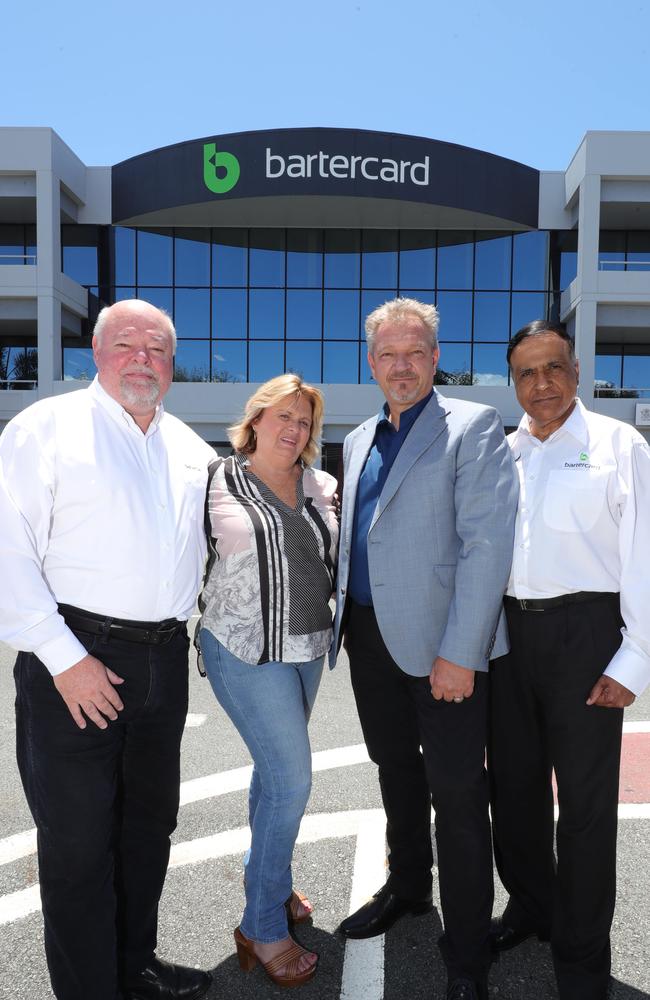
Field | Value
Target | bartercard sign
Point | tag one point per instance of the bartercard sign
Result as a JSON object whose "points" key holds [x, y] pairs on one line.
{"points": [[340, 163]]}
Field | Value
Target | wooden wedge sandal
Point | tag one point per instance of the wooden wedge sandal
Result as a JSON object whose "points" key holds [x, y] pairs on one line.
{"points": [[287, 960]]}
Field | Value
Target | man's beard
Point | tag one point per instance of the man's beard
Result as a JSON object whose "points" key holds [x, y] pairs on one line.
{"points": [[405, 392], [140, 395]]}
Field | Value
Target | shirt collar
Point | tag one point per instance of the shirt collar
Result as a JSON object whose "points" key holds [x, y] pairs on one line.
{"points": [[407, 417], [117, 411], [575, 425]]}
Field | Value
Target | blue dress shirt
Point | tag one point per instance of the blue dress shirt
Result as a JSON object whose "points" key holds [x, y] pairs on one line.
{"points": [[381, 456]]}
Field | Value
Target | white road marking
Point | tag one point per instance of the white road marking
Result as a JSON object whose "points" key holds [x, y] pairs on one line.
{"points": [[20, 845], [315, 827], [193, 721], [636, 727], [363, 963]]}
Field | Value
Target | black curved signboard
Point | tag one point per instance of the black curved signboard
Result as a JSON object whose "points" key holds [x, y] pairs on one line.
{"points": [[325, 162]]}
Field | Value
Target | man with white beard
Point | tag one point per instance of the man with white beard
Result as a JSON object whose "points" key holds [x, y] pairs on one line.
{"points": [[102, 548]]}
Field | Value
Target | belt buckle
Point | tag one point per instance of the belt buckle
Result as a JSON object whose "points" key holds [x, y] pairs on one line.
{"points": [[523, 604]]}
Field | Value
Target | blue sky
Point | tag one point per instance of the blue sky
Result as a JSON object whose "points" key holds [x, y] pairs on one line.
{"points": [[519, 79]]}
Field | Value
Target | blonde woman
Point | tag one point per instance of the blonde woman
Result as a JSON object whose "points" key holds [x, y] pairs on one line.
{"points": [[265, 629]]}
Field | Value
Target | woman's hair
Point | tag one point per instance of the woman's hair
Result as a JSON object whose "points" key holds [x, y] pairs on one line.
{"points": [[289, 387]]}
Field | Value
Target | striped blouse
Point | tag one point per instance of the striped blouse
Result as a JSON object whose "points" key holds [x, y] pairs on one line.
{"points": [[271, 567]]}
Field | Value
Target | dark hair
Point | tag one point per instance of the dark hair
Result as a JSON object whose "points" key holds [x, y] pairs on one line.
{"points": [[537, 327]]}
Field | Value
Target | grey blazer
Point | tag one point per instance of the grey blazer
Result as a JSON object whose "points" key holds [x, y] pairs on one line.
{"points": [[440, 542]]}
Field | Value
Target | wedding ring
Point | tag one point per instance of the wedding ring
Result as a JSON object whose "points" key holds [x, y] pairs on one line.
{"points": [[458, 700]]}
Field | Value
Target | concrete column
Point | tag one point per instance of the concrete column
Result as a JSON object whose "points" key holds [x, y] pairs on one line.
{"points": [[48, 239], [587, 307]]}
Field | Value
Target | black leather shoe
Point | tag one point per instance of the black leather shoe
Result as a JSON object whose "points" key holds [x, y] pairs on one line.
{"points": [[466, 989], [165, 981], [503, 937], [380, 913]]}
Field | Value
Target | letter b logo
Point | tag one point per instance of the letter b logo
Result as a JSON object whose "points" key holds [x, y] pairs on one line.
{"points": [[213, 162]]}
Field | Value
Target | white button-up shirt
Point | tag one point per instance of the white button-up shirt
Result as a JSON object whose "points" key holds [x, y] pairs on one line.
{"points": [[96, 514], [583, 523]]}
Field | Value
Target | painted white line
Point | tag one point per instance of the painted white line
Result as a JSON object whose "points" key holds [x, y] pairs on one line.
{"points": [[20, 845], [363, 962], [636, 727], [17, 905], [213, 785], [193, 721], [315, 827]]}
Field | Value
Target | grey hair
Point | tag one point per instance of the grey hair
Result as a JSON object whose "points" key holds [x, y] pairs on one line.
{"points": [[400, 311], [104, 317]]}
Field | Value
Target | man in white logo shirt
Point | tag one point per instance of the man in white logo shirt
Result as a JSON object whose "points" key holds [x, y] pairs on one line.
{"points": [[101, 535], [577, 610]]}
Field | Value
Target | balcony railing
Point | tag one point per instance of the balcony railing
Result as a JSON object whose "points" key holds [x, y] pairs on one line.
{"points": [[17, 258], [18, 383], [607, 390], [624, 265]]}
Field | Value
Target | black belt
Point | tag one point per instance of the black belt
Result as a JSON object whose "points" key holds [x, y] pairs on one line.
{"points": [[151, 633], [548, 603]]}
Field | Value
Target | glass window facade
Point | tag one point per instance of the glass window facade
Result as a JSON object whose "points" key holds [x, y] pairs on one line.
{"points": [[17, 244], [622, 370], [251, 303], [621, 250]]}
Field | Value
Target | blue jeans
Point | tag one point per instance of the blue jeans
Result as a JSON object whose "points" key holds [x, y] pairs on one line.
{"points": [[270, 705]]}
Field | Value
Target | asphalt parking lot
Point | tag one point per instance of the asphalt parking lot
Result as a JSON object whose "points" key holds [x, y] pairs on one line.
{"points": [[338, 862]]}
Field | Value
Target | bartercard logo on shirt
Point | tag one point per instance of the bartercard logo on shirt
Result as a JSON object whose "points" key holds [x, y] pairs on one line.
{"points": [[582, 463]]}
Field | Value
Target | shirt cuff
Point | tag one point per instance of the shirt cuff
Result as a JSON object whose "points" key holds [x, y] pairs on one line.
{"points": [[61, 653], [630, 668]]}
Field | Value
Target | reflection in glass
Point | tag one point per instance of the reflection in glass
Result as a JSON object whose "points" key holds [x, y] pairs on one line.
{"points": [[192, 361], [229, 307], [192, 312], [636, 368], [12, 245], [230, 257], [370, 300], [229, 360], [154, 258], [304, 314], [78, 363], [490, 366], [455, 259], [192, 249], [159, 297], [267, 258], [421, 294], [266, 360], [342, 258], [454, 364], [304, 258], [609, 368], [455, 310], [530, 261], [379, 259], [340, 363], [417, 261], [491, 316], [366, 377], [341, 320], [492, 262], [611, 250], [266, 313], [638, 251], [124, 256], [80, 264], [304, 359], [527, 306]]}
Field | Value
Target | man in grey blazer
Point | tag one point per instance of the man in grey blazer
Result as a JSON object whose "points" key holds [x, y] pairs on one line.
{"points": [[428, 513]]}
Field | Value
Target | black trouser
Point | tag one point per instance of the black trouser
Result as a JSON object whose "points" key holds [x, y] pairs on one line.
{"points": [[398, 716], [539, 722], [105, 804]]}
